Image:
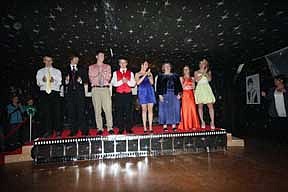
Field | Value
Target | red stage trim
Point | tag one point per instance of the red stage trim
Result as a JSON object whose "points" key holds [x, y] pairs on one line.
{"points": [[138, 130]]}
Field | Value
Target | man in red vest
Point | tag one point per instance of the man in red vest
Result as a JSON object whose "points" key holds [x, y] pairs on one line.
{"points": [[123, 79]]}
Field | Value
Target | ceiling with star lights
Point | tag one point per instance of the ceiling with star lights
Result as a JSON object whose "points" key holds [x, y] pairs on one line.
{"points": [[180, 31]]}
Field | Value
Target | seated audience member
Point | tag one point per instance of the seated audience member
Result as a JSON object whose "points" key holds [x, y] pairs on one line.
{"points": [[15, 111]]}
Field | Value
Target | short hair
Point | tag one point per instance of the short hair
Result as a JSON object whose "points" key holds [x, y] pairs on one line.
{"points": [[123, 58], [146, 60], [72, 56], [29, 97], [47, 55], [280, 78], [13, 96], [168, 64], [100, 51]]}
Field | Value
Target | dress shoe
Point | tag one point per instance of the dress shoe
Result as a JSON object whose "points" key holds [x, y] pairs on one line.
{"points": [[58, 133], [85, 133], [100, 132], [129, 131], [46, 135], [72, 134]]}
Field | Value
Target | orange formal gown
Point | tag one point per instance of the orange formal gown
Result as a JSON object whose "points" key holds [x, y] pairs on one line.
{"points": [[189, 114]]}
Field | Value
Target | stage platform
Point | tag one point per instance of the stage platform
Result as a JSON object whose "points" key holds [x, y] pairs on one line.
{"points": [[138, 144]]}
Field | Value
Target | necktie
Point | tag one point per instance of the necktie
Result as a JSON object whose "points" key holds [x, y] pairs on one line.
{"points": [[48, 82], [73, 77], [101, 77]]}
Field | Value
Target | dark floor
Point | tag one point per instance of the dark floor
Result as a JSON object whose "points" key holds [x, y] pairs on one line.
{"points": [[260, 166]]}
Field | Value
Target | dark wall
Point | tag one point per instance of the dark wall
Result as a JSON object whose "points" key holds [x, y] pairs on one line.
{"points": [[251, 120]]}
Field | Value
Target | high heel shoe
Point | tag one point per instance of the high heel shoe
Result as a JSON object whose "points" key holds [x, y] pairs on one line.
{"points": [[212, 126], [203, 125]]}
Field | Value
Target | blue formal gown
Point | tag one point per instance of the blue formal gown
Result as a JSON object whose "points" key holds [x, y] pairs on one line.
{"points": [[146, 92], [169, 109]]}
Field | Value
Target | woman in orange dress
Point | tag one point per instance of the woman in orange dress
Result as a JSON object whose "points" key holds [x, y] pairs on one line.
{"points": [[189, 115]]}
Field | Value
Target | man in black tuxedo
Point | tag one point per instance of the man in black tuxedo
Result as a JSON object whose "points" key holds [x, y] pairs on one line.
{"points": [[75, 77], [277, 103]]}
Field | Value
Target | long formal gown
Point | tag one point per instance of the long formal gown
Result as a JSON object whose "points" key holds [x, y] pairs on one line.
{"points": [[203, 92], [146, 92], [189, 115], [169, 109]]}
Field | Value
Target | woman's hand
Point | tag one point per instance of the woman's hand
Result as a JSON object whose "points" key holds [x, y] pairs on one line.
{"points": [[148, 73], [161, 98]]}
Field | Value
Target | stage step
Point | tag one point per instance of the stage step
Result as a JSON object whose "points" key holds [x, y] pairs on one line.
{"points": [[24, 156], [234, 141]]}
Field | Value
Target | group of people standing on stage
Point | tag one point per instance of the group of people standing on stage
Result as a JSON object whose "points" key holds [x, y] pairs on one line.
{"points": [[170, 88], [173, 89]]}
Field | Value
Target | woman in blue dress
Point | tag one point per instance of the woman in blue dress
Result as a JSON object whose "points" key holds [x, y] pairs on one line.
{"points": [[146, 95], [169, 89]]}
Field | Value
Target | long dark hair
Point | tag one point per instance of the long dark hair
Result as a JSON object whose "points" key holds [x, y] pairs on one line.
{"points": [[190, 71]]}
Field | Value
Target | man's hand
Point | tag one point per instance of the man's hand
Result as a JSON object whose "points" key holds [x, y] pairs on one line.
{"points": [[263, 94], [124, 80], [44, 79], [51, 79], [67, 78], [79, 80]]}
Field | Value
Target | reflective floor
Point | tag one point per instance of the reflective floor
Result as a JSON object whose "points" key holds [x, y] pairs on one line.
{"points": [[260, 166]]}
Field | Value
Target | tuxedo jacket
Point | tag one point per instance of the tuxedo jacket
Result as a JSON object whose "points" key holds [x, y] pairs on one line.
{"points": [[270, 99], [77, 86]]}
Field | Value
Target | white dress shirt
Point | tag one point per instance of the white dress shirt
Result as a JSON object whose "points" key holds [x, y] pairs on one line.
{"points": [[280, 104], [55, 73], [75, 67], [116, 83]]}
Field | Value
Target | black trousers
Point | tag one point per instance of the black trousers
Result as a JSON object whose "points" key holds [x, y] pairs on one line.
{"points": [[123, 107], [14, 138], [75, 106], [280, 128], [49, 112]]}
